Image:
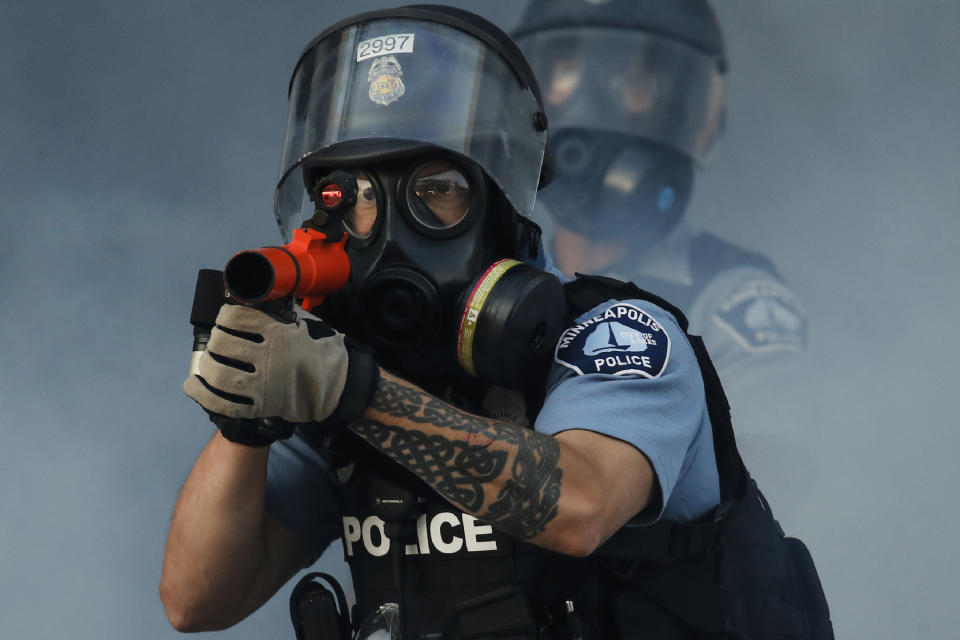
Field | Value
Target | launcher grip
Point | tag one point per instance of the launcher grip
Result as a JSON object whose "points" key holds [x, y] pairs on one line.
{"points": [[208, 297]]}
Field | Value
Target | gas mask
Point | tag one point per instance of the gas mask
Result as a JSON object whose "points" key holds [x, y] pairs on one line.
{"points": [[433, 287], [633, 104], [608, 187]]}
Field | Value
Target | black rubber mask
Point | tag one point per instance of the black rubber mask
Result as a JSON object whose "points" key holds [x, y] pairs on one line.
{"points": [[433, 286], [608, 188], [421, 231]]}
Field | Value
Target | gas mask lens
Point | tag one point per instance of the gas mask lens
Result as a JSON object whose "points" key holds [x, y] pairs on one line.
{"points": [[564, 79], [360, 218], [439, 195]]}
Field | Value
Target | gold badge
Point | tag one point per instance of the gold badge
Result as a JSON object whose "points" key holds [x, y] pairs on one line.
{"points": [[385, 83]]}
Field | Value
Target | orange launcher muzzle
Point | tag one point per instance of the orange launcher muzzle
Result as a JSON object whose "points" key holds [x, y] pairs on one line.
{"points": [[308, 267]]}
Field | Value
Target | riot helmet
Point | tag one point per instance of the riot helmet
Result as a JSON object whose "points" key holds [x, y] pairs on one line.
{"points": [[634, 93], [419, 132], [391, 82]]}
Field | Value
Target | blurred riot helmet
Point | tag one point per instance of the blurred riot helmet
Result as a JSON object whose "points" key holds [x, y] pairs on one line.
{"points": [[419, 132], [634, 93]]}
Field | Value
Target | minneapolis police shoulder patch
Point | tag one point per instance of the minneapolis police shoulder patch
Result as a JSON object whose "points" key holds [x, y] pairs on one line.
{"points": [[763, 315], [623, 340]]}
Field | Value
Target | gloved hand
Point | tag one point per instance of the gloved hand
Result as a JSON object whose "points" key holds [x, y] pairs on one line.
{"points": [[258, 367]]}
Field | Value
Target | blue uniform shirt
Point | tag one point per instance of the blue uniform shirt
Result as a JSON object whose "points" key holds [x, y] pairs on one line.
{"points": [[626, 370], [645, 388], [302, 492]]}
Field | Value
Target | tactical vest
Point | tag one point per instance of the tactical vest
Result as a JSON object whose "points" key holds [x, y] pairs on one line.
{"points": [[450, 573], [731, 574]]}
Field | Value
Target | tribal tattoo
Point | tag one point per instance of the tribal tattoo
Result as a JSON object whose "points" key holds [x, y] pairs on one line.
{"points": [[463, 466]]}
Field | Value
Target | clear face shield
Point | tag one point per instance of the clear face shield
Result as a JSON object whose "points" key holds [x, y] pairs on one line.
{"points": [[629, 82], [390, 82]]}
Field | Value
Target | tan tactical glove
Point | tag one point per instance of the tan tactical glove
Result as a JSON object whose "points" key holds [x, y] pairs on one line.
{"points": [[256, 366]]}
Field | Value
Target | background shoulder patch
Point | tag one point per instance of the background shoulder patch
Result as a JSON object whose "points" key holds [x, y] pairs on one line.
{"points": [[763, 315], [623, 340]]}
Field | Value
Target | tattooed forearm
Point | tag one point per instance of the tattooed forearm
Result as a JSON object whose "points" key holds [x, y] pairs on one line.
{"points": [[528, 501], [411, 403], [456, 470], [503, 473]]}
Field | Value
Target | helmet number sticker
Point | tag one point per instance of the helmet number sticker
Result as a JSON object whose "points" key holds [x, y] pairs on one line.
{"points": [[382, 45]]}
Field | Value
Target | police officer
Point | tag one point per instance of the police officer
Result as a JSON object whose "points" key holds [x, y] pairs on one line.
{"points": [[634, 93], [469, 433]]}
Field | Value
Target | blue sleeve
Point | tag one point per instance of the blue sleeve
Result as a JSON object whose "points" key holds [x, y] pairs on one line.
{"points": [[626, 370], [301, 492]]}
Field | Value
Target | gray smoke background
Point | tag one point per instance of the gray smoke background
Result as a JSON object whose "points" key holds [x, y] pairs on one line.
{"points": [[141, 141]]}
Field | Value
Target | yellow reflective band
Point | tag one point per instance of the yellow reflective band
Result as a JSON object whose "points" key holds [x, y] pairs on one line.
{"points": [[478, 297]]}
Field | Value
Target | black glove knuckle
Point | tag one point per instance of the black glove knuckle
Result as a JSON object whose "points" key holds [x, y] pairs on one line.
{"points": [[317, 329], [225, 395], [243, 335]]}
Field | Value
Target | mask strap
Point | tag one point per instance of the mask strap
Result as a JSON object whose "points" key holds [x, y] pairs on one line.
{"points": [[528, 237]]}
